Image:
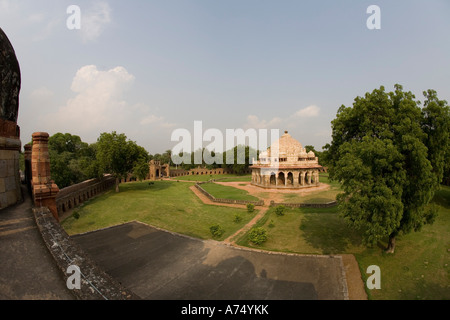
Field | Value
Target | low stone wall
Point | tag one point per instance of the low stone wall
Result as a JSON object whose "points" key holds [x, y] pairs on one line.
{"points": [[304, 205], [229, 201], [70, 197], [95, 283]]}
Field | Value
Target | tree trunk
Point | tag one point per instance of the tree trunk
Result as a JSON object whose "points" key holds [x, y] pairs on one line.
{"points": [[117, 184], [391, 245]]}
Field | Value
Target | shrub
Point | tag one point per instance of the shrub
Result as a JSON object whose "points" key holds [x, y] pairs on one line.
{"points": [[271, 224], [216, 231], [280, 210], [258, 235], [76, 215], [237, 218], [250, 207]]}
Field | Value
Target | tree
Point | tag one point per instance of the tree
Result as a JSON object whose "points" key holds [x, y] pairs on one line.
{"points": [[71, 160], [385, 153], [241, 160], [117, 155]]}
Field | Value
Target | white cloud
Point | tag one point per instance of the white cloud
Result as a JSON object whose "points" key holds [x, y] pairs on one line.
{"points": [[255, 123], [100, 105], [94, 20], [308, 112]]}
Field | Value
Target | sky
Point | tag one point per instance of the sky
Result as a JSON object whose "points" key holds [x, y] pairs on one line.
{"points": [[147, 68]]}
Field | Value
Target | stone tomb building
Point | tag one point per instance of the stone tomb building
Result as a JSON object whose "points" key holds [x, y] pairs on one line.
{"points": [[286, 165]]}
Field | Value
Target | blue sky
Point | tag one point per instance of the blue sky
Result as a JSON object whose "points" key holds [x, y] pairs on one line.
{"points": [[146, 68]]}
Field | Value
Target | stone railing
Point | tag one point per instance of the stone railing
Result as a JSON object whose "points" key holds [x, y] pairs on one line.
{"points": [[95, 283], [304, 205], [70, 197], [229, 201]]}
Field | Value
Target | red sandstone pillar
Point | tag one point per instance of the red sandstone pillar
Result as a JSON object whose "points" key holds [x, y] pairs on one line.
{"points": [[44, 189]]}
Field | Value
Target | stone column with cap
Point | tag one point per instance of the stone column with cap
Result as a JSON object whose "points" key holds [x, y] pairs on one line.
{"points": [[44, 189]]}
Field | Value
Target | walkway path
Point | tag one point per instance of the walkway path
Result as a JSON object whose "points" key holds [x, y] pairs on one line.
{"points": [[27, 270]]}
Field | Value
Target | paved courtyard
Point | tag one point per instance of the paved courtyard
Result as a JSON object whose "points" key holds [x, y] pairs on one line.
{"points": [[157, 264]]}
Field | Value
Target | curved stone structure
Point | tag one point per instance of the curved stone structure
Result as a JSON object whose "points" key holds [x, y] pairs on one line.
{"points": [[10, 80], [286, 165], [10, 145]]}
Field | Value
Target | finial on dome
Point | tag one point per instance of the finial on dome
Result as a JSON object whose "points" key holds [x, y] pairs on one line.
{"points": [[286, 132]]}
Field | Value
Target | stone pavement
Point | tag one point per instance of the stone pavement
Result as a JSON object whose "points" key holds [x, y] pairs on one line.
{"points": [[27, 270], [161, 265]]}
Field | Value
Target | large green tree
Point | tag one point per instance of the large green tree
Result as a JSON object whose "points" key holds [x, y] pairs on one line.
{"points": [[71, 160], [389, 154], [117, 155]]}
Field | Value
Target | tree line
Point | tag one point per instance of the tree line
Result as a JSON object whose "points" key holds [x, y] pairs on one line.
{"points": [[73, 161]]}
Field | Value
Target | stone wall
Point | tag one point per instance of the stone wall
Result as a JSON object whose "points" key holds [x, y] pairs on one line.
{"points": [[304, 205], [229, 201], [201, 172], [10, 191], [72, 196], [95, 284]]}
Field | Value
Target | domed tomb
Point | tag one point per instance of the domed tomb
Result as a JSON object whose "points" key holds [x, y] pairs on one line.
{"points": [[286, 164]]}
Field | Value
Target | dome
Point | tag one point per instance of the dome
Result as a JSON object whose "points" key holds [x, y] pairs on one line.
{"points": [[286, 146], [311, 154]]}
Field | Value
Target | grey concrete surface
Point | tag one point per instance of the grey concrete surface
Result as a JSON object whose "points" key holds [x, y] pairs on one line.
{"points": [[160, 265], [27, 270]]}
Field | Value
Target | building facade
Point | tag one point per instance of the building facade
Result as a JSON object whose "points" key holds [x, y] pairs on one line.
{"points": [[286, 165]]}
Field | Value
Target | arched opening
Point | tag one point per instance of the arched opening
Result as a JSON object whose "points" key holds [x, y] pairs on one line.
{"points": [[290, 179], [307, 177], [273, 179], [157, 174], [281, 179]]}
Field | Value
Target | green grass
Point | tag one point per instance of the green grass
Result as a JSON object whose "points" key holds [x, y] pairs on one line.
{"points": [[306, 230], [420, 267], [226, 192], [169, 205], [222, 177]]}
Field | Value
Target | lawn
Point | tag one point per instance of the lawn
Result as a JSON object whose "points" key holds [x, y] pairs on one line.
{"points": [[169, 205], [225, 192], [419, 268]]}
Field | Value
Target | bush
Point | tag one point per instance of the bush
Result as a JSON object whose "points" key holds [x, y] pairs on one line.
{"points": [[258, 235], [250, 207], [237, 218], [216, 231], [271, 224], [76, 215], [280, 210]]}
